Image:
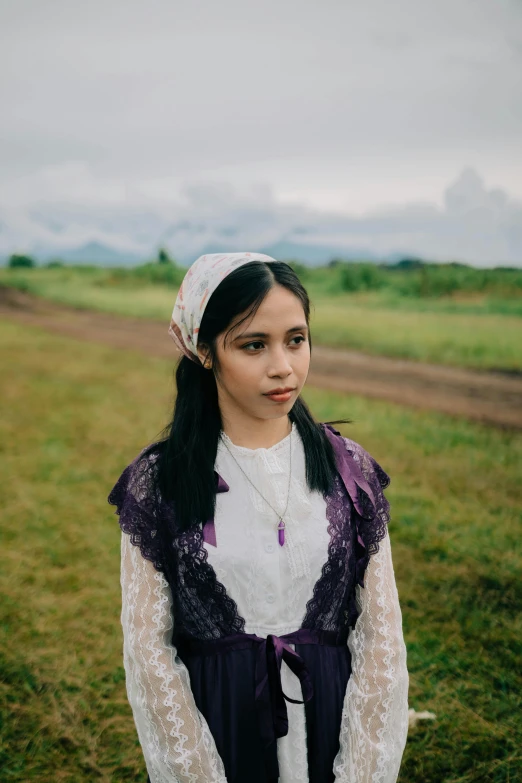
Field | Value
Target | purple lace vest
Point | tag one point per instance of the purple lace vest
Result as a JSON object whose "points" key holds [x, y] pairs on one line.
{"points": [[235, 677]]}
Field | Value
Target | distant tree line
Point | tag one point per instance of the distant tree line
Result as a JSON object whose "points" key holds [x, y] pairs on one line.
{"points": [[23, 261], [409, 276]]}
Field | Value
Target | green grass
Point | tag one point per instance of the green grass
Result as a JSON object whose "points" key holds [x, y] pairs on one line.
{"points": [[76, 414], [465, 340], [96, 289], [468, 328]]}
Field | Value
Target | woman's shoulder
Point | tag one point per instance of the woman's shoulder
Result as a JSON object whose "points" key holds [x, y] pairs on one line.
{"points": [[138, 475], [367, 479], [137, 502], [371, 469]]}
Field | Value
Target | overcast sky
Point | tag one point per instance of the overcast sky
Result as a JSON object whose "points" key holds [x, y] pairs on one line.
{"points": [[329, 109]]}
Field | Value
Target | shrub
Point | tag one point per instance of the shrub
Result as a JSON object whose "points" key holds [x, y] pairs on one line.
{"points": [[21, 261], [164, 257], [360, 276], [299, 268]]}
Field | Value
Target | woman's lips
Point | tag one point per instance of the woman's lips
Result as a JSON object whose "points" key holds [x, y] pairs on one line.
{"points": [[280, 397]]}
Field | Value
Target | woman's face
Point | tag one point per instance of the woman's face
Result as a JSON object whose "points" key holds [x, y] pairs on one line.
{"points": [[268, 351]]}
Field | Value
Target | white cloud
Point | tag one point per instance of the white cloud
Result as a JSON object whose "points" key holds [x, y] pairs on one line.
{"points": [[475, 224]]}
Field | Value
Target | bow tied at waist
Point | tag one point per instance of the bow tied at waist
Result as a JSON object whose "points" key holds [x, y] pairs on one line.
{"points": [[270, 698]]}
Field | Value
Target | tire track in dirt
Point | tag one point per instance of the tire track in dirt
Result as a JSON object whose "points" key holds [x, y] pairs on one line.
{"points": [[493, 398]]}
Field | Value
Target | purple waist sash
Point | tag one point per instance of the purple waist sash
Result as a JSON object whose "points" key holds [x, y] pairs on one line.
{"points": [[272, 651]]}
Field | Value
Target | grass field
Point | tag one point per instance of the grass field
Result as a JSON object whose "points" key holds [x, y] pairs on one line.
{"points": [[75, 414], [477, 329]]}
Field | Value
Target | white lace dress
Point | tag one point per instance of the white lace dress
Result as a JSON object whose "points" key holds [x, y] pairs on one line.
{"points": [[271, 586]]}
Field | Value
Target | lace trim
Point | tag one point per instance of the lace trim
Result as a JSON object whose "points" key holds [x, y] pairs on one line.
{"points": [[137, 507], [204, 598], [322, 610]]}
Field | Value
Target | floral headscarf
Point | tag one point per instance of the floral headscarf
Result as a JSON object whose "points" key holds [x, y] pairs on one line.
{"points": [[202, 278]]}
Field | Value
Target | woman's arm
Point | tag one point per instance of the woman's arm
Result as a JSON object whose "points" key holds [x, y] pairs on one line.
{"points": [[374, 725], [175, 738]]}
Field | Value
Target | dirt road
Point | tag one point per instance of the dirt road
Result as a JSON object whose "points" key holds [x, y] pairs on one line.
{"points": [[488, 397]]}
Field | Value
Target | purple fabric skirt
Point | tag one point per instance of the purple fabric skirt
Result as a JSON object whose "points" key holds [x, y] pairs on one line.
{"points": [[225, 684]]}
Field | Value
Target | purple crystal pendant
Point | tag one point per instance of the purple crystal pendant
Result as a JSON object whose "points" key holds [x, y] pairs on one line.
{"points": [[281, 533]]}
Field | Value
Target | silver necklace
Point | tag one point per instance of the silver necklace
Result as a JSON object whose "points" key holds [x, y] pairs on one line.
{"points": [[281, 525]]}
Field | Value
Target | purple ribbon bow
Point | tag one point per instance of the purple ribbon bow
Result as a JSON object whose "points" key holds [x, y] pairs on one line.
{"points": [[270, 697]]}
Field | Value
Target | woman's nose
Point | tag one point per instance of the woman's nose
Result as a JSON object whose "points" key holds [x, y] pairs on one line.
{"points": [[280, 363]]}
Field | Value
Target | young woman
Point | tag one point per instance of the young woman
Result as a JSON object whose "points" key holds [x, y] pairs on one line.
{"points": [[262, 627]]}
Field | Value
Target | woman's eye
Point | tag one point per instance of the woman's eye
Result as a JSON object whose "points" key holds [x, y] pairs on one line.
{"points": [[258, 342]]}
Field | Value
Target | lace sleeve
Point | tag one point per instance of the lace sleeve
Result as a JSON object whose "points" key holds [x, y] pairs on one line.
{"points": [[175, 738], [374, 723]]}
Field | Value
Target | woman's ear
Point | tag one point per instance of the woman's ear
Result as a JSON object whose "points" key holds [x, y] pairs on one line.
{"points": [[203, 353]]}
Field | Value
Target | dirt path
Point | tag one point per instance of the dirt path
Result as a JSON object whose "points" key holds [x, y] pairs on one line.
{"points": [[492, 398]]}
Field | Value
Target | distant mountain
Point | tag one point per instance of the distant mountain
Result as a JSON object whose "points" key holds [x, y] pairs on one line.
{"points": [[316, 254], [94, 253]]}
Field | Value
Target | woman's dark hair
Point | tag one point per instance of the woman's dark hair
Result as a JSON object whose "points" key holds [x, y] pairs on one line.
{"points": [[188, 448]]}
